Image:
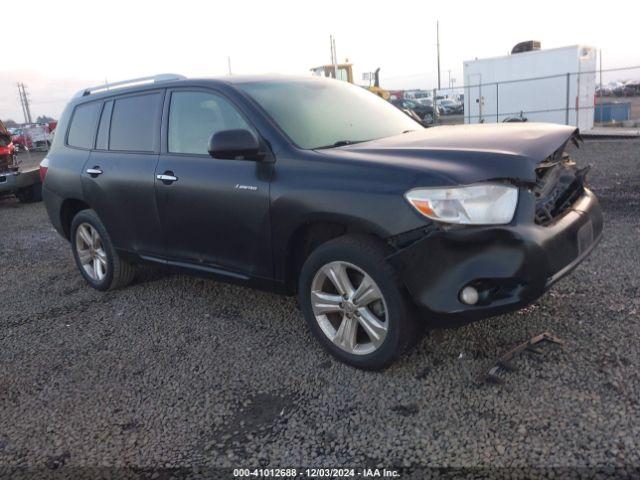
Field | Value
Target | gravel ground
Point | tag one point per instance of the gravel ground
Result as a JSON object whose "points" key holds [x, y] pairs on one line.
{"points": [[177, 371]]}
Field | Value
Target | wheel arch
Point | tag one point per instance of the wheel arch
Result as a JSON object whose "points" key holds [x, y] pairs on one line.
{"points": [[315, 230], [69, 209]]}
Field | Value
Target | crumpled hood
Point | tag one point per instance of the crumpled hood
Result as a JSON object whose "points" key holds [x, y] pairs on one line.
{"points": [[467, 153]]}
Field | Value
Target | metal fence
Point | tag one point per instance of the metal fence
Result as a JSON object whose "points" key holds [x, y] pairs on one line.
{"points": [[588, 99]]}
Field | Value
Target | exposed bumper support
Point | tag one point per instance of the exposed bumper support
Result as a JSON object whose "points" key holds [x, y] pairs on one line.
{"points": [[12, 181], [510, 265]]}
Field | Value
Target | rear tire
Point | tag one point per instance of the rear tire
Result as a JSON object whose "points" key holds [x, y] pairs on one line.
{"points": [[382, 321], [95, 255]]}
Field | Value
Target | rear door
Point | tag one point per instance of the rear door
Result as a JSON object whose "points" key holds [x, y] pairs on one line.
{"points": [[216, 212], [118, 177]]}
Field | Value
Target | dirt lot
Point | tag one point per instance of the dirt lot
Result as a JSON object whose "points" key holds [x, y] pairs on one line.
{"points": [[177, 371]]}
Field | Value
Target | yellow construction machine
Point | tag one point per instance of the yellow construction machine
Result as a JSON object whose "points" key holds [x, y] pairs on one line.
{"points": [[344, 71]]}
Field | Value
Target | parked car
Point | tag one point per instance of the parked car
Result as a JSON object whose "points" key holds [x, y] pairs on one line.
{"points": [[516, 118], [626, 90], [7, 151], [24, 184], [39, 136], [21, 140], [380, 227], [604, 91], [415, 117], [424, 112], [450, 107], [429, 103], [425, 101]]}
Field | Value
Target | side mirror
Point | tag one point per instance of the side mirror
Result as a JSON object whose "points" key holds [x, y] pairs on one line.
{"points": [[234, 144]]}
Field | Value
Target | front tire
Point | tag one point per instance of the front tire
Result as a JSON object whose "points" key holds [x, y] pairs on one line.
{"points": [[95, 255], [354, 303]]}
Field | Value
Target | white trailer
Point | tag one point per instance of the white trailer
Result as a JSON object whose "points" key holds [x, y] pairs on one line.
{"points": [[499, 88]]}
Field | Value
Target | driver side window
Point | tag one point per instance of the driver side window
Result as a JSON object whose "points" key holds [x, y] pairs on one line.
{"points": [[195, 116]]}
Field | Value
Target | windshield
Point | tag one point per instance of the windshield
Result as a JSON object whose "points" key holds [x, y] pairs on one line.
{"points": [[320, 113]]}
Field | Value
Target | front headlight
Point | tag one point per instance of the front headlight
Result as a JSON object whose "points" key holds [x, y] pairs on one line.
{"points": [[480, 204]]}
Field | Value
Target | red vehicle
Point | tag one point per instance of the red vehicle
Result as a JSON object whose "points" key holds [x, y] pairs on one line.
{"points": [[26, 185], [7, 151], [21, 140]]}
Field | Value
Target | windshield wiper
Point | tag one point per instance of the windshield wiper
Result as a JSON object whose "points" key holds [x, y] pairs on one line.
{"points": [[340, 143]]}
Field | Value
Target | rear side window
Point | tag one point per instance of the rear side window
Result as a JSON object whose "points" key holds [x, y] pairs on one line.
{"points": [[83, 125], [102, 141], [134, 123], [195, 116]]}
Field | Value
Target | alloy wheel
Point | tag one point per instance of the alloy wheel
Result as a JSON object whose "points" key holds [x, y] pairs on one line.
{"points": [[349, 307], [91, 252]]}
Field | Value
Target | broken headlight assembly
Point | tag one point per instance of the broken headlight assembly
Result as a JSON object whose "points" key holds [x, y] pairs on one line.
{"points": [[478, 204]]}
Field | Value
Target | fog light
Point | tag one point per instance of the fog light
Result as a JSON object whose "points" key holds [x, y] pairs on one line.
{"points": [[469, 295]]}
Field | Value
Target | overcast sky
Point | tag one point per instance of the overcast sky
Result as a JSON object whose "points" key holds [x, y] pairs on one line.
{"points": [[57, 47]]}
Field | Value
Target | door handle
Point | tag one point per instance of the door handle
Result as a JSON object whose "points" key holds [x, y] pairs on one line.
{"points": [[94, 171], [167, 178]]}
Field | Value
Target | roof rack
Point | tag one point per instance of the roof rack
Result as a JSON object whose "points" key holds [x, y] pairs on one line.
{"points": [[163, 77]]}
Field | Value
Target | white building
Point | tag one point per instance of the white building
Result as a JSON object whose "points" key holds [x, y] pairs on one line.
{"points": [[501, 87]]}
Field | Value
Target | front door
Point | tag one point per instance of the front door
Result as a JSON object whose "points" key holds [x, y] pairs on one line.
{"points": [[214, 213]]}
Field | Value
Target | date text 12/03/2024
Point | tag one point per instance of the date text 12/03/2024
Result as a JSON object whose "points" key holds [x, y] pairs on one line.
{"points": [[317, 472]]}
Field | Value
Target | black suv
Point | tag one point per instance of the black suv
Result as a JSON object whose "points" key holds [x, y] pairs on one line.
{"points": [[320, 188]]}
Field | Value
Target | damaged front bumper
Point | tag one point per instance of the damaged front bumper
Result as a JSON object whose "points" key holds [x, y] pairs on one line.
{"points": [[510, 266], [11, 182]]}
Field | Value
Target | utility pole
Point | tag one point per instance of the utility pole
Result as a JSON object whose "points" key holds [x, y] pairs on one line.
{"points": [[438, 46], [600, 58], [24, 101], [229, 64], [24, 112], [334, 56]]}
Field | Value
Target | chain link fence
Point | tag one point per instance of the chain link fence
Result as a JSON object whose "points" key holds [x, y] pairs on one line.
{"points": [[588, 99]]}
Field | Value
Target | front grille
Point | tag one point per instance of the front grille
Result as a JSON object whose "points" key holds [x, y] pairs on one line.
{"points": [[559, 185]]}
